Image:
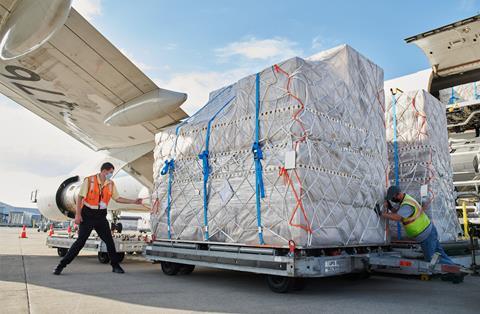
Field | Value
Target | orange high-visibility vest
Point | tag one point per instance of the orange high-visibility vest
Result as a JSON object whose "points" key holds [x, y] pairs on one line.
{"points": [[96, 199]]}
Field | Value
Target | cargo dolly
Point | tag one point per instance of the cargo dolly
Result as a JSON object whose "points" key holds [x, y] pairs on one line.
{"points": [[285, 268], [124, 244]]}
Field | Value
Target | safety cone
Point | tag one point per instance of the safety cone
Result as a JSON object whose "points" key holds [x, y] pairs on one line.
{"points": [[23, 235], [50, 233]]}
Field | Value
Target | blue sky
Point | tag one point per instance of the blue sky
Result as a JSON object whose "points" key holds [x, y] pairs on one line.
{"points": [[198, 46], [183, 36]]}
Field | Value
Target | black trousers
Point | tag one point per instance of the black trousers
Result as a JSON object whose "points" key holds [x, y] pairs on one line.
{"points": [[92, 219]]}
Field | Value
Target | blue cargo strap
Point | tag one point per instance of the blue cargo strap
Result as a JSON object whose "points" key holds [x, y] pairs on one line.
{"points": [[206, 168], [258, 156], [395, 154], [169, 167], [453, 99]]}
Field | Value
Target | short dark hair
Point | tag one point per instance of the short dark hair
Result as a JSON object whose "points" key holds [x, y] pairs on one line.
{"points": [[107, 166]]}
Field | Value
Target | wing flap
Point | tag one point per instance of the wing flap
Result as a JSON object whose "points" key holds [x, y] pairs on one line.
{"points": [[84, 30], [88, 60]]}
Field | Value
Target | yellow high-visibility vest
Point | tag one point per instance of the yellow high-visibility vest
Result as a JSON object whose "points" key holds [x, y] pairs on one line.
{"points": [[417, 222]]}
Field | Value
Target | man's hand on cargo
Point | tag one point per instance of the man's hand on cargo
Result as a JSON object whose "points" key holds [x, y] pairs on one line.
{"points": [[385, 213]]}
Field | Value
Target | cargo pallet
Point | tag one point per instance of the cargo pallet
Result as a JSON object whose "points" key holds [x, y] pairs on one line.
{"points": [[286, 267], [123, 244]]}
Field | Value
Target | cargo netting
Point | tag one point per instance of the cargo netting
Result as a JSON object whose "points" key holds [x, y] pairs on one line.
{"points": [[419, 158], [295, 152]]}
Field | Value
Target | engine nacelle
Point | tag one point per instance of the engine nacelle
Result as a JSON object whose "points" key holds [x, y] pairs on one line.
{"points": [[30, 25], [58, 202]]}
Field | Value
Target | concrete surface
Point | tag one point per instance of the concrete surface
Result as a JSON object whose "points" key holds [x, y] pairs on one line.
{"points": [[86, 286]]}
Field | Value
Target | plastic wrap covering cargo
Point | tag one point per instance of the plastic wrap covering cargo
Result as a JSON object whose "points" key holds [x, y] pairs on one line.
{"points": [[419, 158], [221, 175], [460, 94]]}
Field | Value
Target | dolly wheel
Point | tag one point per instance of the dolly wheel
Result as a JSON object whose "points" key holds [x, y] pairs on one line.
{"points": [[170, 269], [186, 269], [281, 284], [61, 251], [103, 257]]}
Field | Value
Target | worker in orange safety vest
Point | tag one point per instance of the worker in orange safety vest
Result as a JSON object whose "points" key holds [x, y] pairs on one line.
{"points": [[91, 213]]}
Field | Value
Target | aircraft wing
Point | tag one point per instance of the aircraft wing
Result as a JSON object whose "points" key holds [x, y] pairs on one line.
{"points": [[79, 82]]}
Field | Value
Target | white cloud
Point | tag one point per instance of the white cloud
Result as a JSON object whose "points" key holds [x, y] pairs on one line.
{"points": [[323, 42], [261, 49], [317, 43], [31, 150], [170, 46], [252, 55], [198, 85], [89, 9]]}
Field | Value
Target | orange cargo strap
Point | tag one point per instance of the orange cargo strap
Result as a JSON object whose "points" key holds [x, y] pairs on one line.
{"points": [[288, 181]]}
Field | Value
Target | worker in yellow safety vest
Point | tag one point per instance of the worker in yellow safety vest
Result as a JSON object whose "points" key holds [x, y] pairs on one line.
{"points": [[91, 213], [416, 223]]}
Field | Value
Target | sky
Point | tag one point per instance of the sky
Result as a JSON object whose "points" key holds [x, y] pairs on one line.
{"points": [[199, 46]]}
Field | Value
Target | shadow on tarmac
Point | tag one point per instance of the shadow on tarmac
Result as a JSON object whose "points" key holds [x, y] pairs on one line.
{"points": [[228, 291]]}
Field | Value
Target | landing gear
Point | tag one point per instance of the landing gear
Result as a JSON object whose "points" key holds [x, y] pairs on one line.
{"points": [[116, 227]]}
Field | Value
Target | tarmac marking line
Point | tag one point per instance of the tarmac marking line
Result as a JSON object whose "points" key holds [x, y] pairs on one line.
{"points": [[25, 278]]}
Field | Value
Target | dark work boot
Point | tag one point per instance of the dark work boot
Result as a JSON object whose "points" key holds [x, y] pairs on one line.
{"points": [[58, 269], [117, 269]]}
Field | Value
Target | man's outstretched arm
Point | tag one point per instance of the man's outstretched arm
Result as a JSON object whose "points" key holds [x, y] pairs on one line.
{"points": [[124, 200]]}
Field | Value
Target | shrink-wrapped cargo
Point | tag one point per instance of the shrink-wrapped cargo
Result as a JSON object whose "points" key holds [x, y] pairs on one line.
{"points": [[296, 152], [419, 158]]}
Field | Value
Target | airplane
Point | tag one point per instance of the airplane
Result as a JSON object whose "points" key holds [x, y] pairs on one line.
{"points": [[57, 65]]}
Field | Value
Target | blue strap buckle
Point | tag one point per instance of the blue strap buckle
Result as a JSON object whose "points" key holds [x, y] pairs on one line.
{"points": [[206, 168], [257, 151], [168, 167]]}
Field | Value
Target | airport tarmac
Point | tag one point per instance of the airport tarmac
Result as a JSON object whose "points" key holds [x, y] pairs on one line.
{"points": [[86, 286]]}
